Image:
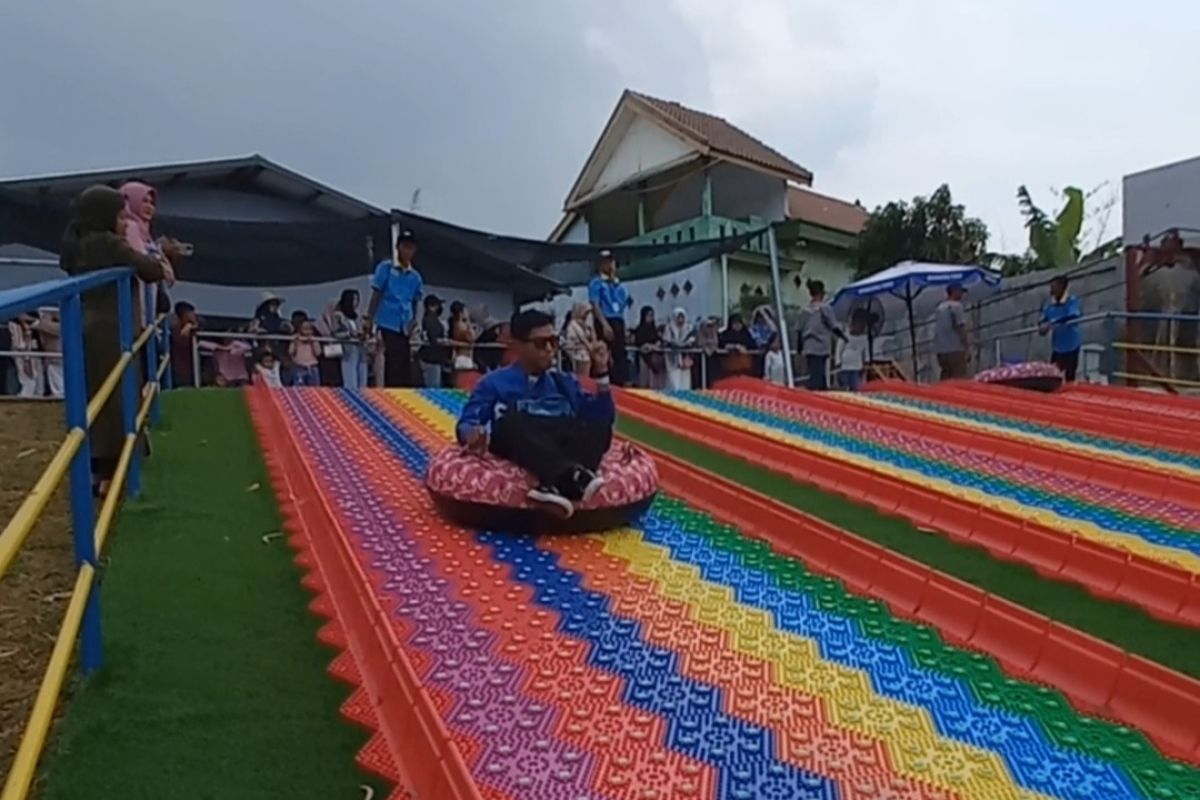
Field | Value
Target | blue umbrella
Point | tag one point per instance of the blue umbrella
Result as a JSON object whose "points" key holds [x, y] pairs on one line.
{"points": [[917, 288]]}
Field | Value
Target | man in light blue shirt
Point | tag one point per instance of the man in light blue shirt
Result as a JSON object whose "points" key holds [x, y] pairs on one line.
{"points": [[396, 289], [539, 418], [609, 301], [1060, 318]]}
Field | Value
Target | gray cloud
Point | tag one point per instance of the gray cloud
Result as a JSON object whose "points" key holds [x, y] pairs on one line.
{"points": [[491, 107]]}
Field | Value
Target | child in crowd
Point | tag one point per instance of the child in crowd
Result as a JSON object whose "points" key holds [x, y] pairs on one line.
{"points": [[774, 369], [306, 355], [266, 371], [49, 329], [30, 370], [854, 353]]}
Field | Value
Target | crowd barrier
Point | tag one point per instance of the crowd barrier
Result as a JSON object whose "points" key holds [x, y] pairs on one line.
{"points": [[73, 458], [702, 356]]}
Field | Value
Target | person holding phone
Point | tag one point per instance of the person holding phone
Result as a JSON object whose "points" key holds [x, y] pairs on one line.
{"points": [[396, 290]]}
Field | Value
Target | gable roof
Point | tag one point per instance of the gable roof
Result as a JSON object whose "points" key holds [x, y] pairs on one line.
{"points": [[805, 205], [251, 171], [722, 137], [708, 134]]}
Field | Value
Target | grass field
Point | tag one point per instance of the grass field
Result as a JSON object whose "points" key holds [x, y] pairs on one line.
{"points": [[214, 685], [1123, 625]]}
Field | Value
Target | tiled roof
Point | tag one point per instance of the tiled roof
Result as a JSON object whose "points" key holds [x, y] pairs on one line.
{"points": [[723, 137], [829, 212]]}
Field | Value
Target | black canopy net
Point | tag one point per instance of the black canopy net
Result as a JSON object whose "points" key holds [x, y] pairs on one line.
{"points": [[569, 264], [235, 253]]}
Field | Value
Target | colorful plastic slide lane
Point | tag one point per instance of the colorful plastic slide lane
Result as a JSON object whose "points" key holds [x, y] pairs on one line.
{"points": [[1179, 408], [1121, 553], [677, 659], [1088, 474], [1129, 427], [1107, 433], [1171, 475]]}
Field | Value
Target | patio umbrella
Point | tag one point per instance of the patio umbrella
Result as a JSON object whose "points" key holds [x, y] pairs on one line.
{"points": [[915, 288]]}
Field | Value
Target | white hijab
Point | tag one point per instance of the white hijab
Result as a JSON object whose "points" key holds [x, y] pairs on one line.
{"points": [[676, 332]]}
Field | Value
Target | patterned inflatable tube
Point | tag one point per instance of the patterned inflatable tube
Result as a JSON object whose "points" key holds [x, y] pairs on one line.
{"points": [[483, 491], [1036, 375]]}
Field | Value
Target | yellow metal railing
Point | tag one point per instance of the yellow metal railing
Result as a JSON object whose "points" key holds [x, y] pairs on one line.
{"points": [[1153, 376], [72, 457]]}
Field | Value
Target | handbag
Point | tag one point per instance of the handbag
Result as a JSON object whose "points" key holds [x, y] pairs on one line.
{"points": [[333, 350]]}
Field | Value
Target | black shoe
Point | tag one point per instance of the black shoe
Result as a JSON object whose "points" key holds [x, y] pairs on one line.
{"points": [[551, 500]]}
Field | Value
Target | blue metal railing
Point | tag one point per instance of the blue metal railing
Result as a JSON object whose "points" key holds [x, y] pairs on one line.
{"points": [[73, 457]]}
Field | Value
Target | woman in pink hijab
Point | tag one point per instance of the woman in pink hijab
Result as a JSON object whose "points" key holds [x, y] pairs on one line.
{"points": [[141, 204]]}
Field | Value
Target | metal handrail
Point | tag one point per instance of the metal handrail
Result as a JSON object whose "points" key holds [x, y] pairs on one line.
{"points": [[73, 457]]}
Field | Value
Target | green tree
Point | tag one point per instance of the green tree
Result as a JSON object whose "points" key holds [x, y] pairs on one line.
{"points": [[933, 228], [1057, 242]]}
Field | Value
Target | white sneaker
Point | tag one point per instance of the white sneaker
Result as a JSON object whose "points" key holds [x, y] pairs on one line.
{"points": [[551, 500], [592, 486]]}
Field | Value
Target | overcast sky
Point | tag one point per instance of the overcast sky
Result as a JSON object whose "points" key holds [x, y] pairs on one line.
{"points": [[490, 107]]}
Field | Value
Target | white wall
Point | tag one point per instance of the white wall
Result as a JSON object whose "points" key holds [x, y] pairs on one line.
{"points": [[577, 233], [1161, 198], [643, 147], [703, 300], [240, 301]]}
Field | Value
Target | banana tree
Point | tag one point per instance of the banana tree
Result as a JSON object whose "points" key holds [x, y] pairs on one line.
{"points": [[1054, 242]]}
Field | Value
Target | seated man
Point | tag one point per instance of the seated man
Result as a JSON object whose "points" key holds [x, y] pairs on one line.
{"points": [[538, 418]]}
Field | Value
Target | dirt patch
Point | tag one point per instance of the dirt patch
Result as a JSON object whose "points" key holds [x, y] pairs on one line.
{"points": [[34, 591]]}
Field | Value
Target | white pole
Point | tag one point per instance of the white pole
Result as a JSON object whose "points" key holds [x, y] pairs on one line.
{"points": [[195, 361], [777, 287], [725, 288]]}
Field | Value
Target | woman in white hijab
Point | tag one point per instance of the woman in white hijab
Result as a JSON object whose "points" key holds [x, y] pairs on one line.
{"points": [[579, 338], [678, 335]]}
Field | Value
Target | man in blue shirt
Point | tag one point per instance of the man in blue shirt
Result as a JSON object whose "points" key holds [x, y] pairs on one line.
{"points": [[1060, 319], [396, 289], [609, 301], [539, 418]]}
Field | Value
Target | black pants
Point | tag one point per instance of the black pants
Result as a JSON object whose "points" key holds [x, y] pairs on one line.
{"points": [[818, 369], [620, 357], [1067, 362], [551, 447], [397, 360]]}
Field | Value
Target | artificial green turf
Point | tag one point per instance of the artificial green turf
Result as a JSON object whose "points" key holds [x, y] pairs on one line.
{"points": [[214, 685], [1126, 626]]}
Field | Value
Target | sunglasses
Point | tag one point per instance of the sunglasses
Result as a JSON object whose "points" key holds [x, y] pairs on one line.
{"points": [[544, 342]]}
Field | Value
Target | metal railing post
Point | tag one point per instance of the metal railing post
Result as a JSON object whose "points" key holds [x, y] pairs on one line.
{"points": [[169, 374], [152, 353], [1110, 350], [129, 387], [83, 520]]}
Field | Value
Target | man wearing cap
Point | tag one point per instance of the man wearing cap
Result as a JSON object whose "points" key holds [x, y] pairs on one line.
{"points": [[396, 289], [609, 300], [950, 334]]}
